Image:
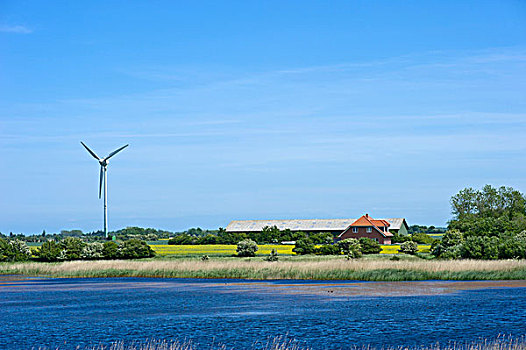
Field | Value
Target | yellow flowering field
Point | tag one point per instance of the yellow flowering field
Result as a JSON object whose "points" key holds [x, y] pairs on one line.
{"points": [[393, 248], [217, 249], [264, 249]]}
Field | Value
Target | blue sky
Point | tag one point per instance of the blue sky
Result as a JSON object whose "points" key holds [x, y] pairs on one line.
{"points": [[256, 110]]}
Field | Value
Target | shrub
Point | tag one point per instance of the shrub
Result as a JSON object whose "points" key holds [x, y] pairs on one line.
{"points": [[454, 252], [49, 251], [370, 246], [4, 250], [477, 247], [19, 250], [15, 250], [135, 249], [351, 247], [400, 238], [72, 247], [408, 247], [328, 249], [246, 247], [304, 246], [512, 248], [182, 239], [452, 238], [422, 238], [273, 256], [322, 238], [208, 239], [92, 251], [110, 250]]}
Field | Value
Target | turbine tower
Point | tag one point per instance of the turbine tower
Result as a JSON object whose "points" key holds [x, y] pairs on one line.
{"points": [[103, 177]]}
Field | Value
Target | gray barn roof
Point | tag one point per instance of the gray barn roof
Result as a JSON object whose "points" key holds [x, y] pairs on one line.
{"points": [[321, 225]]}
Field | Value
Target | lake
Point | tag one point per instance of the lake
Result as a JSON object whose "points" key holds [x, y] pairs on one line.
{"points": [[67, 313]]}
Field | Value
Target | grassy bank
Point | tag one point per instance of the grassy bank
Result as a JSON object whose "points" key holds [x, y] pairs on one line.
{"points": [[292, 268]]}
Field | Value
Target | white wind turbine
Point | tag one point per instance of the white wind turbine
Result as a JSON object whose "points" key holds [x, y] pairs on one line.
{"points": [[103, 168]]}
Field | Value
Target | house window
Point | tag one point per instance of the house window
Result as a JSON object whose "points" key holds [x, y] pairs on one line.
{"points": [[355, 230], [369, 230], [376, 239]]}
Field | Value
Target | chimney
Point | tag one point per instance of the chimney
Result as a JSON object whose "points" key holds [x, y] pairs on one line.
{"points": [[367, 215]]}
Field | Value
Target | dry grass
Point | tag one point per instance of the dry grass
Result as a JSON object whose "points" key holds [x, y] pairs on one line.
{"points": [[361, 269], [282, 343]]}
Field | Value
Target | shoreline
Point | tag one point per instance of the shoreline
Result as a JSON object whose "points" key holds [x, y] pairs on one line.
{"points": [[253, 269], [332, 289]]}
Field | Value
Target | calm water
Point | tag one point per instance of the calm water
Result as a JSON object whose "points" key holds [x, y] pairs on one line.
{"points": [[71, 312]]}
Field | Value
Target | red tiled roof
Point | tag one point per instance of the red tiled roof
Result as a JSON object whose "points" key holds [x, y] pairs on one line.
{"points": [[380, 223], [366, 220]]}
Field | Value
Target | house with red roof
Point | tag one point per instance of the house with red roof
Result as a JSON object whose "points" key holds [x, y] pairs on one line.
{"points": [[366, 226]]}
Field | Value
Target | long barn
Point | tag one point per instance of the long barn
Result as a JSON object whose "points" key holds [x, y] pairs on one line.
{"points": [[335, 226]]}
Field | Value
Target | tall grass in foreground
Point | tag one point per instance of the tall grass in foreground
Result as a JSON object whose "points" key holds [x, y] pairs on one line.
{"points": [[335, 269], [281, 343]]}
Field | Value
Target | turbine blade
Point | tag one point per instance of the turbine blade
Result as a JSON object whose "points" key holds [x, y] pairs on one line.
{"points": [[100, 182], [115, 152], [90, 151]]}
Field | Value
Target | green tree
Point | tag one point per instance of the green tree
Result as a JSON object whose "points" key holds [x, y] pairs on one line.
{"points": [[512, 247], [450, 246], [246, 247], [304, 246], [92, 251], [110, 250], [273, 256], [408, 247], [135, 249], [49, 251], [4, 250], [351, 247], [328, 249], [208, 239], [19, 251], [230, 237], [369, 246], [72, 247], [477, 247], [489, 211]]}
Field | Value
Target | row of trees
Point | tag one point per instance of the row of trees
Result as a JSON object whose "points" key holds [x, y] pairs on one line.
{"points": [[457, 245], [268, 235], [489, 223], [74, 248], [351, 247]]}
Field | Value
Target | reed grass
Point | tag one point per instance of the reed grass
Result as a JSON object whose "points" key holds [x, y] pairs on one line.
{"points": [[256, 268], [283, 343]]}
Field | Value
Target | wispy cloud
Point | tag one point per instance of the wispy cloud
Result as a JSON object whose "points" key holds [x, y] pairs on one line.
{"points": [[16, 29]]}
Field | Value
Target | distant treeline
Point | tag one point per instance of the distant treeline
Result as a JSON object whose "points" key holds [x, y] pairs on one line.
{"points": [[145, 234], [203, 236], [267, 236], [428, 230]]}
